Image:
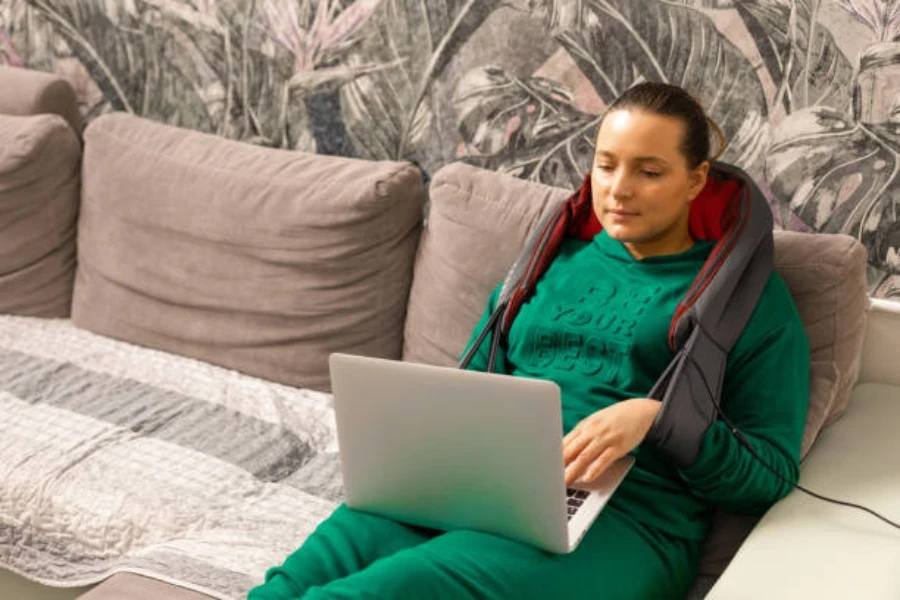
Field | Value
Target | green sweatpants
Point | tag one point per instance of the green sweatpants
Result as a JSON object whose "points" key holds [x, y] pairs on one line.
{"points": [[356, 556]]}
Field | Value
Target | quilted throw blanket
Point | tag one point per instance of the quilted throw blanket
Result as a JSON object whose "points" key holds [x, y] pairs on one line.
{"points": [[119, 458]]}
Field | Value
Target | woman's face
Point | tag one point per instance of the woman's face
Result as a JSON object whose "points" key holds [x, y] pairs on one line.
{"points": [[641, 184]]}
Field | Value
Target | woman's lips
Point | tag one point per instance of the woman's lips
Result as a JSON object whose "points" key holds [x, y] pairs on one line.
{"points": [[621, 215]]}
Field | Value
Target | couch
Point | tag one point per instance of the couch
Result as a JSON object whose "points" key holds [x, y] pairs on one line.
{"points": [[168, 300]]}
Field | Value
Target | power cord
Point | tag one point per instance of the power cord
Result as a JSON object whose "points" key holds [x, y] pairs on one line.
{"points": [[743, 441], [746, 444]]}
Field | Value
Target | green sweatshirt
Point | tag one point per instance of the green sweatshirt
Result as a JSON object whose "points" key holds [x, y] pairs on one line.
{"points": [[597, 324]]}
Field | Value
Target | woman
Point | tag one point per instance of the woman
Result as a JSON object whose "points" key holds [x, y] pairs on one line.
{"points": [[619, 290]]}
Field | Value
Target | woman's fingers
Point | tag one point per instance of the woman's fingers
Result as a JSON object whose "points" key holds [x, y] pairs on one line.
{"points": [[605, 436], [588, 454], [573, 447], [600, 464], [574, 434]]}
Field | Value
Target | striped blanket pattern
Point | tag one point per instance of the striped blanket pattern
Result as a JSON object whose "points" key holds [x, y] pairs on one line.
{"points": [[120, 458]]}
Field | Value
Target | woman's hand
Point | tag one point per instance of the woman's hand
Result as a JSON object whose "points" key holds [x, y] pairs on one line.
{"points": [[605, 436]]}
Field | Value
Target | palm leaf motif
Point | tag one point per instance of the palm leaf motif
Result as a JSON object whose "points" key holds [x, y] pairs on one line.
{"points": [[8, 53], [252, 83], [319, 41], [319, 33], [617, 43], [839, 176], [527, 127], [139, 66], [801, 56], [33, 38], [388, 114], [268, 56], [881, 16]]}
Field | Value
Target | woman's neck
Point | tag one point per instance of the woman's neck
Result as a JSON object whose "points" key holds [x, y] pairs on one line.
{"points": [[674, 241]]}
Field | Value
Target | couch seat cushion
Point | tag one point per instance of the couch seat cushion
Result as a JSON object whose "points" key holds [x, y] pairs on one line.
{"points": [[814, 549]]}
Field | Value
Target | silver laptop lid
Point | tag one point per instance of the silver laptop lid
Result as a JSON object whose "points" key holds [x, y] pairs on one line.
{"points": [[445, 448]]}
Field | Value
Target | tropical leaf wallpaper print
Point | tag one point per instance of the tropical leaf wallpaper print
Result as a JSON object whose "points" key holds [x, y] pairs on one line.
{"points": [[807, 91]]}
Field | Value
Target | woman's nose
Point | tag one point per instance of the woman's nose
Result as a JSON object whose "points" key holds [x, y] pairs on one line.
{"points": [[621, 184]]}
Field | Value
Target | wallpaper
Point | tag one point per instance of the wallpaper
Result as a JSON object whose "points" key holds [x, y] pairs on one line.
{"points": [[807, 92]]}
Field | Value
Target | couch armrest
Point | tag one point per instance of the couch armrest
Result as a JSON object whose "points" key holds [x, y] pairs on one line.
{"points": [[25, 92], [882, 343], [807, 548]]}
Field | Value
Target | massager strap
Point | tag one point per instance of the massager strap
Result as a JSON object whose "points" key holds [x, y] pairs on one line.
{"points": [[726, 290], [707, 323]]}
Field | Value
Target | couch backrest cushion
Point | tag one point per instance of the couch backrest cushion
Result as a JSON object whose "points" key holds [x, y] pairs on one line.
{"points": [[39, 187], [477, 222], [26, 92], [826, 274], [257, 259]]}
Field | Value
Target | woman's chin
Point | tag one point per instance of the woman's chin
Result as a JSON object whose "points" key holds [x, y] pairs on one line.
{"points": [[623, 233]]}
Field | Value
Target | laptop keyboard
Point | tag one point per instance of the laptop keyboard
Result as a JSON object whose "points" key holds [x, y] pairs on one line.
{"points": [[574, 500]]}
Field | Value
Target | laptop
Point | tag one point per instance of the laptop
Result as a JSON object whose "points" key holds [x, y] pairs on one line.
{"points": [[447, 449]]}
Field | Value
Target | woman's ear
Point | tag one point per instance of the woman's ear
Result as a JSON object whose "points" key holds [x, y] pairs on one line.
{"points": [[697, 179]]}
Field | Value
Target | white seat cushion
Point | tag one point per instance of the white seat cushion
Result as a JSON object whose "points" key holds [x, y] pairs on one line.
{"points": [[814, 549]]}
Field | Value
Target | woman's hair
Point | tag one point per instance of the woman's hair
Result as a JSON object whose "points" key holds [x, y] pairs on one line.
{"points": [[669, 100]]}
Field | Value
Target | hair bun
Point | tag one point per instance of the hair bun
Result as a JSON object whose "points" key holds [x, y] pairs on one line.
{"points": [[721, 142]]}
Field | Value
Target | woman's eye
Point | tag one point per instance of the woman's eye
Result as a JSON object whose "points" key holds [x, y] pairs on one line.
{"points": [[605, 168], [652, 174]]}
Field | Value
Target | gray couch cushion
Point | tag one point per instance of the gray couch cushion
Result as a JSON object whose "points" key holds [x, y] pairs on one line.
{"points": [[260, 260], [39, 188], [477, 222], [25, 92], [826, 274]]}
